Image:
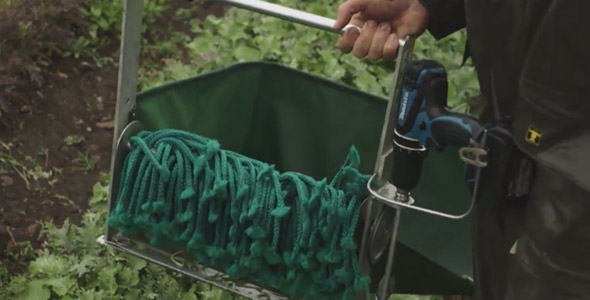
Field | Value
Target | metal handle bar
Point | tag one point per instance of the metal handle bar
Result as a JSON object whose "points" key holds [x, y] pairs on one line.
{"points": [[289, 14]]}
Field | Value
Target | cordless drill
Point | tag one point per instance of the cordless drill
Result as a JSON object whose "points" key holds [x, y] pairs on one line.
{"points": [[423, 121]]}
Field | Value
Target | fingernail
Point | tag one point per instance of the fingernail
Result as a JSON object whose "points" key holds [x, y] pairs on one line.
{"points": [[384, 26], [391, 37], [371, 24]]}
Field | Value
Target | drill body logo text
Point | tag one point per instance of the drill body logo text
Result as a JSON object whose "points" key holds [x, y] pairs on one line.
{"points": [[403, 106]]}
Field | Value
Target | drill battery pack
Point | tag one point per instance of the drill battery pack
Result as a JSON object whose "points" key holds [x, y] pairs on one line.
{"points": [[509, 172]]}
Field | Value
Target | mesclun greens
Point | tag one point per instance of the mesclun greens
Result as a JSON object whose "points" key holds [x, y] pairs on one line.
{"points": [[73, 265], [241, 36]]}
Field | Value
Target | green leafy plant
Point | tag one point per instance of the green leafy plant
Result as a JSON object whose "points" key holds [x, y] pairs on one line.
{"points": [[104, 26], [85, 162], [73, 265], [243, 36], [27, 168], [71, 140]]}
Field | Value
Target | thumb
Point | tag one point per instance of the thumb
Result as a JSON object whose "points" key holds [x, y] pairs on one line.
{"points": [[346, 10]]}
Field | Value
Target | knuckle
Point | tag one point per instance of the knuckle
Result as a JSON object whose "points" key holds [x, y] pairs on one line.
{"points": [[366, 35], [383, 29]]}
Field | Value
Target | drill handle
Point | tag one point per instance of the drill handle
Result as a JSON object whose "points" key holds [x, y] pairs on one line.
{"points": [[451, 129], [447, 128]]}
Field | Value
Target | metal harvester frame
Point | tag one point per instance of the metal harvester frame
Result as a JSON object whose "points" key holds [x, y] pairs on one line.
{"points": [[380, 208]]}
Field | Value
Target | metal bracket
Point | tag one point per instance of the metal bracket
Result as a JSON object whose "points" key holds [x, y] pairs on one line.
{"points": [[188, 267], [387, 194], [472, 155]]}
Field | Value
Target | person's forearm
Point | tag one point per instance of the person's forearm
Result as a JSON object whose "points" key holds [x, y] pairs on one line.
{"points": [[446, 16]]}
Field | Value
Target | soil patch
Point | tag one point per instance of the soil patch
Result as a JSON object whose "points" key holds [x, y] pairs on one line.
{"points": [[60, 137], [61, 145]]}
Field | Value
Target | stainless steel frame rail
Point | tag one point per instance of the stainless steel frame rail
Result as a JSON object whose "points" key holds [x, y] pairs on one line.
{"points": [[285, 13]]}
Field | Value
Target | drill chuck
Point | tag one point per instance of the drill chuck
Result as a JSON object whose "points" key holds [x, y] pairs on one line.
{"points": [[408, 155]]}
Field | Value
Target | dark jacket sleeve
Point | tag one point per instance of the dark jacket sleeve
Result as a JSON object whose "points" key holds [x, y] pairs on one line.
{"points": [[446, 16]]}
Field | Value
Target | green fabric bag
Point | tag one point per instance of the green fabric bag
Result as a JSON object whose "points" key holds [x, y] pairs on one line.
{"points": [[307, 124]]}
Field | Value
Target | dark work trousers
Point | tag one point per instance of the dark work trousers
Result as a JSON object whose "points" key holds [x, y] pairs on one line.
{"points": [[536, 248], [494, 234], [553, 251]]}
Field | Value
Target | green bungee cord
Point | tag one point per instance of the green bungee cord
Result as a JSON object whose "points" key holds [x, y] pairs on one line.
{"points": [[286, 231]]}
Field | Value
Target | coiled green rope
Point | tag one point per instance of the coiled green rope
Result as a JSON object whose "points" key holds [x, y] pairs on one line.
{"points": [[241, 216]]}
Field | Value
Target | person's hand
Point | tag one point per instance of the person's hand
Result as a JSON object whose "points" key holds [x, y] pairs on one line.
{"points": [[382, 23]]}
